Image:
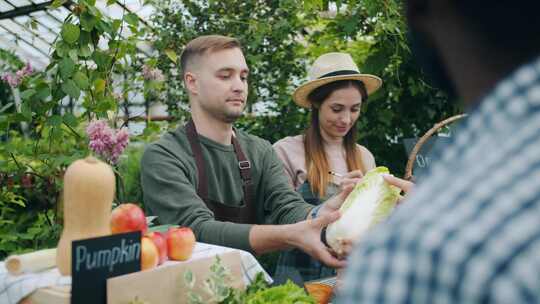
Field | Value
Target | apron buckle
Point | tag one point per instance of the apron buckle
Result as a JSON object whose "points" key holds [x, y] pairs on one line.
{"points": [[245, 164]]}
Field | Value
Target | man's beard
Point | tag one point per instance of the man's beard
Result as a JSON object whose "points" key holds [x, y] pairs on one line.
{"points": [[232, 116], [223, 113], [430, 61]]}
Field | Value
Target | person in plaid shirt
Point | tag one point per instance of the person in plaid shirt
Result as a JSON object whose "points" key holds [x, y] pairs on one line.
{"points": [[469, 232]]}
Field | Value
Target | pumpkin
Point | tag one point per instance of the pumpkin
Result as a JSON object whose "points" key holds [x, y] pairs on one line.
{"points": [[89, 186], [322, 293]]}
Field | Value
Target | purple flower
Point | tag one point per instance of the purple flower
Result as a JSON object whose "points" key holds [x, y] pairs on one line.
{"points": [[107, 142], [122, 140], [12, 80], [27, 70], [15, 80], [19, 74]]}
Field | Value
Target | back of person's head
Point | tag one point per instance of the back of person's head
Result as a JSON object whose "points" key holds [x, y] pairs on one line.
{"points": [[203, 45], [504, 25]]}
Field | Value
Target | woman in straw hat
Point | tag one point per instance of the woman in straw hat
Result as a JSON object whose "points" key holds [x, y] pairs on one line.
{"points": [[327, 154]]}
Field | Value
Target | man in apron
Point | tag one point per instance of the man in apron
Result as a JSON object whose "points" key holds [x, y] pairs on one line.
{"points": [[226, 184]]}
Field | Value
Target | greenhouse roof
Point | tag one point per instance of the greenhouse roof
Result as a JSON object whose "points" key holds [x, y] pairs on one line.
{"points": [[29, 27]]}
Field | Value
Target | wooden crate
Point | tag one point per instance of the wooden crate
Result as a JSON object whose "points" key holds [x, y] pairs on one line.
{"points": [[161, 285]]}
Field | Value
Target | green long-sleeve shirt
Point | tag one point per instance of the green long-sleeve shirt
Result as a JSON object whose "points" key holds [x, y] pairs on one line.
{"points": [[169, 181]]}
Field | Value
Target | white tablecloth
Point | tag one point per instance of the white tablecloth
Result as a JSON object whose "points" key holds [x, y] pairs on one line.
{"points": [[15, 288]]}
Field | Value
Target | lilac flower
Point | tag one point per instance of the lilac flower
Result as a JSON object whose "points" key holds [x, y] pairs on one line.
{"points": [[27, 70], [107, 142], [122, 140], [150, 73], [12, 80], [15, 80]]}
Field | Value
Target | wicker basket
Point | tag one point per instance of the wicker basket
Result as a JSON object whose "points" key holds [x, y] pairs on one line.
{"points": [[423, 139]]}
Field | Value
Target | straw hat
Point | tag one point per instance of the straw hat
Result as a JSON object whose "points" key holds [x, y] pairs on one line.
{"points": [[332, 67]]}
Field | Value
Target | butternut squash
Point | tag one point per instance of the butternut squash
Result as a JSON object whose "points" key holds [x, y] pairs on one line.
{"points": [[89, 186], [31, 262]]}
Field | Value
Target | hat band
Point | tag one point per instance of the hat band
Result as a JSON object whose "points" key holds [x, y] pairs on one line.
{"points": [[340, 73]]}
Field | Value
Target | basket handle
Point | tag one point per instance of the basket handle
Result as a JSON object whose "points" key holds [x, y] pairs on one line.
{"points": [[423, 139]]}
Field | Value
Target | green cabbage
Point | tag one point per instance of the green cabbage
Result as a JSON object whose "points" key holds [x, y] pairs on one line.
{"points": [[370, 202]]}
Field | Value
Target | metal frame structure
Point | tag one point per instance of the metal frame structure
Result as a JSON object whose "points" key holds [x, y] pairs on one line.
{"points": [[13, 31], [34, 43]]}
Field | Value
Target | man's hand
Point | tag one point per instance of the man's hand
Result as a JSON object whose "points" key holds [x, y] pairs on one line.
{"points": [[306, 236], [334, 203]]}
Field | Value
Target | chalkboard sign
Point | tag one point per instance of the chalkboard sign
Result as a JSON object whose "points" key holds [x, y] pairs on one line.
{"points": [[95, 260], [424, 159]]}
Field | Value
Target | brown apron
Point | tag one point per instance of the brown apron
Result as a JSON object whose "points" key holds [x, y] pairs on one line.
{"points": [[243, 214]]}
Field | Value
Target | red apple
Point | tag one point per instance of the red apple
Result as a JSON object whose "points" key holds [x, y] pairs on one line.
{"points": [[161, 243], [128, 217], [180, 243], [149, 253]]}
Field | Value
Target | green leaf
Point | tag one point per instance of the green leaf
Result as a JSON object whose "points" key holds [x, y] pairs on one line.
{"points": [[313, 4], [62, 49], [85, 38], [70, 33], [94, 10], [57, 92], [105, 27], [131, 19], [88, 21], [70, 88], [71, 120], [33, 24], [81, 80], [57, 3], [99, 85], [27, 93], [111, 2], [350, 26], [106, 104], [73, 54], [43, 91], [6, 107], [116, 24], [85, 51], [67, 67], [54, 120], [101, 59], [171, 54], [26, 112]]}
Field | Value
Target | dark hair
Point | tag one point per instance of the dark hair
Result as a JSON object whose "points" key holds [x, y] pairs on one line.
{"points": [[504, 24], [316, 160], [317, 96]]}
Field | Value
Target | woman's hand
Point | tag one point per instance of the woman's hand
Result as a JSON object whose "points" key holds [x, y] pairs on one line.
{"points": [[351, 178], [402, 184]]}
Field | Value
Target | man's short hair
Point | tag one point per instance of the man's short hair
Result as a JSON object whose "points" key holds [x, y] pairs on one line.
{"points": [[203, 44], [504, 24]]}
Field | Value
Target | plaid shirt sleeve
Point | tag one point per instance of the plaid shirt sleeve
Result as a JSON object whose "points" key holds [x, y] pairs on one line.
{"points": [[470, 232]]}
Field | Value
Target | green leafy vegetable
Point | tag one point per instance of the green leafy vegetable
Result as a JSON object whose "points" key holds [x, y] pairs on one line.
{"points": [[218, 290], [370, 202]]}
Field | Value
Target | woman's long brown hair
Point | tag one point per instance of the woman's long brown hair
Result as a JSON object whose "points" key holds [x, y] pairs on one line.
{"points": [[316, 158]]}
